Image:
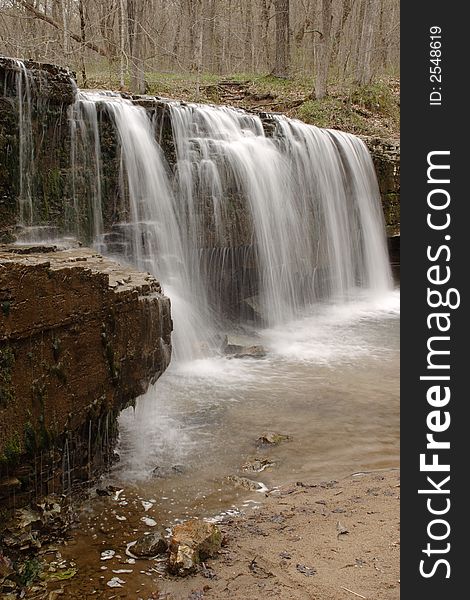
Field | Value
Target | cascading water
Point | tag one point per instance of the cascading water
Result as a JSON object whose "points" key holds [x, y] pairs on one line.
{"points": [[313, 226], [85, 135], [273, 211], [26, 144], [311, 193], [334, 178], [263, 211], [157, 238]]}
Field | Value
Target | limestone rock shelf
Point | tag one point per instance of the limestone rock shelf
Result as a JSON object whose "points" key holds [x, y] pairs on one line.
{"points": [[81, 337]]}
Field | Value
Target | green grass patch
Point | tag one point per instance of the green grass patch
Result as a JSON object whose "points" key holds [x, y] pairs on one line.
{"points": [[378, 98], [331, 112]]}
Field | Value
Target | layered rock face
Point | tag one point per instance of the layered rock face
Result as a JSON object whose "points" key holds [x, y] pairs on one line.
{"points": [[386, 157], [80, 338], [44, 152]]}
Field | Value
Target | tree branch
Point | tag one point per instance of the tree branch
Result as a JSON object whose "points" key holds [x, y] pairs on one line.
{"points": [[43, 17]]}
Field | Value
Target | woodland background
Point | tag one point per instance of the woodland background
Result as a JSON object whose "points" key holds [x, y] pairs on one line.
{"points": [[279, 54]]}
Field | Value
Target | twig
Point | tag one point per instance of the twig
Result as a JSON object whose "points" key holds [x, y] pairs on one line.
{"points": [[355, 593]]}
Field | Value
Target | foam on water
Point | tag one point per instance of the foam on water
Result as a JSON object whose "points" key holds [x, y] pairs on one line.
{"points": [[190, 410]]}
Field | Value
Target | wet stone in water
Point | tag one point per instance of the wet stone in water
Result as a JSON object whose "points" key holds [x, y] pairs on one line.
{"points": [[150, 545], [248, 484], [164, 472], [272, 439], [257, 465]]}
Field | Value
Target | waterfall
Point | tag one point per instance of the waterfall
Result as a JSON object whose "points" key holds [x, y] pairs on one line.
{"points": [[26, 143], [312, 195], [153, 224], [85, 136], [281, 213], [336, 187], [242, 216]]}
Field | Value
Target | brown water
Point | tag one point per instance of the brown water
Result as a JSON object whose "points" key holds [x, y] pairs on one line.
{"points": [[330, 382]]}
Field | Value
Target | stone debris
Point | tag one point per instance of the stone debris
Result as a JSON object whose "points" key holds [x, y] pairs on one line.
{"points": [[257, 465], [272, 439], [308, 571], [240, 347], [107, 554], [247, 484], [251, 352], [191, 543], [341, 529], [6, 567], [150, 545], [122, 571], [164, 472]]}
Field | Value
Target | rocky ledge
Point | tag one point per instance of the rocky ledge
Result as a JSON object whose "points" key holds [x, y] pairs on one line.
{"points": [[48, 82], [80, 338], [386, 157]]}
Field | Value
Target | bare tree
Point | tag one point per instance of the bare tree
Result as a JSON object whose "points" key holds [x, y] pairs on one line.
{"points": [[81, 11], [135, 19], [281, 63], [324, 49], [364, 63], [354, 40], [44, 17], [122, 43], [265, 6]]}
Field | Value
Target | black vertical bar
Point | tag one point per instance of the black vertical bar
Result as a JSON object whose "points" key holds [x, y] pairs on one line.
{"points": [[434, 119]]}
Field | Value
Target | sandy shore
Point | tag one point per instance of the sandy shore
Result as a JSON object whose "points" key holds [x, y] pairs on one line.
{"points": [[327, 541]]}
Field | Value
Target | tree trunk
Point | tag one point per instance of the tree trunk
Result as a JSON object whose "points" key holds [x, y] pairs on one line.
{"points": [[340, 33], [249, 47], [281, 66], [198, 58], [122, 44], [265, 5], [364, 66], [382, 37], [323, 51], [195, 25], [65, 29], [83, 40], [135, 14], [210, 45]]}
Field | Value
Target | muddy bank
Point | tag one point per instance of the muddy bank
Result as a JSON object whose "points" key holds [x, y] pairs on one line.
{"points": [[329, 540], [309, 541]]}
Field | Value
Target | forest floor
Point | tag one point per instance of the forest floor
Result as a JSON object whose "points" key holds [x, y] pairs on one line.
{"points": [[335, 540], [373, 110]]}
